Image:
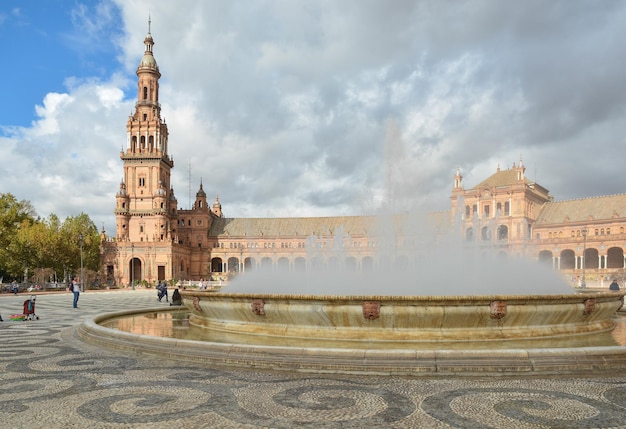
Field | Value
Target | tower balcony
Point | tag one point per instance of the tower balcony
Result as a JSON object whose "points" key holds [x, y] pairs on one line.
{"points": [[155, 155], [148, 103]]}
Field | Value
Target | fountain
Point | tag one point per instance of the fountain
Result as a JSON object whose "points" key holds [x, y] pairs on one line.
{"points": [[515, 316]]}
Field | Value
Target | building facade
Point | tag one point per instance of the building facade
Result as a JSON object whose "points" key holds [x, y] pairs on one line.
{"points": [[155, 240]]}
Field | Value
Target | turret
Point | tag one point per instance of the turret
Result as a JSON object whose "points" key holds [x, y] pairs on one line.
{"points": [[122, 212], [200, 203], [458, 178], [217, 207]]}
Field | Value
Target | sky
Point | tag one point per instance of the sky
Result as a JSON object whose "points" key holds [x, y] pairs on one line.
{"points": [[313, 108]]}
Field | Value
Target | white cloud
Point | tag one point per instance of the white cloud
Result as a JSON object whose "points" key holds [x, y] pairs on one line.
{"points": [[282, 107]]}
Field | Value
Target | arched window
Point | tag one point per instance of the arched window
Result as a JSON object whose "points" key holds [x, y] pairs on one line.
{"points": [[615, 257], [545, 257], [507, 208], [145, 92], [568, 259], [503, 232]]}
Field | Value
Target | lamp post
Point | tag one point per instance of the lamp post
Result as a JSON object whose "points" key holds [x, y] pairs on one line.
{"points": [[82, 283], [583, 282], [132, 266]]}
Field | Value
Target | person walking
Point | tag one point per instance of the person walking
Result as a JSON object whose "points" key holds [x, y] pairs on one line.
{"points": [[163, 289], [76, 291], [614, 285]]}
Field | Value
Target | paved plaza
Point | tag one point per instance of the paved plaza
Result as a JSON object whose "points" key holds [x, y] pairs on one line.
{"points": [[52, 379]]}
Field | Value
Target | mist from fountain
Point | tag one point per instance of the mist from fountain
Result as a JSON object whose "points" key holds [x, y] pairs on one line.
{"points": [[422, 262]]}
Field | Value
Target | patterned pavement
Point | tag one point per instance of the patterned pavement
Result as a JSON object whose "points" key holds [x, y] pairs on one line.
{"points": [[51, 379]]}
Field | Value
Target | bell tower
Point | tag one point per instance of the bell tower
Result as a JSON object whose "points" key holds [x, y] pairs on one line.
{"points": [[144, 202]]}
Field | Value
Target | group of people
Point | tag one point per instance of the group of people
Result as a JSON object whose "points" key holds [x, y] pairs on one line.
{"points": [[177, 299], [162, 293]]}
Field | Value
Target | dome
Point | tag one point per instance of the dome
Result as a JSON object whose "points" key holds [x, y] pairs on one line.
{"points": [[148, 61]]}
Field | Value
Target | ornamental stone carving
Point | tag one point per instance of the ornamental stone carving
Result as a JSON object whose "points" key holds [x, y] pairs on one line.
{"points": [[497, 309], [196, 303], [371, 310], [258, 307], [590, 303]]}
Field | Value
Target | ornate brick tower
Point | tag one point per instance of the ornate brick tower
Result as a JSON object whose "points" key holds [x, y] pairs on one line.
{"points": [[144, 208], [146, 238]]}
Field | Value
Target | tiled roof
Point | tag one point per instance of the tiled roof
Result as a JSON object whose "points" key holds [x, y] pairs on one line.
{"points": [[500, 178], [580, 210], [307, 226]]}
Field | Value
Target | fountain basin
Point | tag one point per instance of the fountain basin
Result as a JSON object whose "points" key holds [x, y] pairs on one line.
{"points": [[335, 334], [378, 322]]}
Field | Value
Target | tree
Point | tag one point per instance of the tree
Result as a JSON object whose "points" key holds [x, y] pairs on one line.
{"points": [[40, 250], [14, 215], [69, 242]]}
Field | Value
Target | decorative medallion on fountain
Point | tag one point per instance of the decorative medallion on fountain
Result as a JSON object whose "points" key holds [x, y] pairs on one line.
{"points": [[258, 307], [590, 304], [196, 303], [497, 309], [371, 310]]}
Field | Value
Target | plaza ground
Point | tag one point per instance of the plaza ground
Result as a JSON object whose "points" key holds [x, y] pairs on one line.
{"points": [[52, 379]]}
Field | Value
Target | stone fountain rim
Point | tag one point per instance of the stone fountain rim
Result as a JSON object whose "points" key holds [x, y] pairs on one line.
{"points": [[569, 297], [579, 361]]}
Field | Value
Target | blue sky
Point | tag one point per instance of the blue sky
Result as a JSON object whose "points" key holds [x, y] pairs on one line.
{"points": [[314, 108], [46, 43]]}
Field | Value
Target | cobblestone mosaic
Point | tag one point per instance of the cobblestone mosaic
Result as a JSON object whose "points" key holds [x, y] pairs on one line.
{"points": [[51, 379]]}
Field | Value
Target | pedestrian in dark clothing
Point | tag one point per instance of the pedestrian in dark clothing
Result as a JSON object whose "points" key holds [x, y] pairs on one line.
{"points": [[176, 298], [163, 291], [614, 285]]}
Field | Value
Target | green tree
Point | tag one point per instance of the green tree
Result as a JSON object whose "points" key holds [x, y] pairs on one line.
{"points": [[14, 215], [41, 250], [69, 244]]}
